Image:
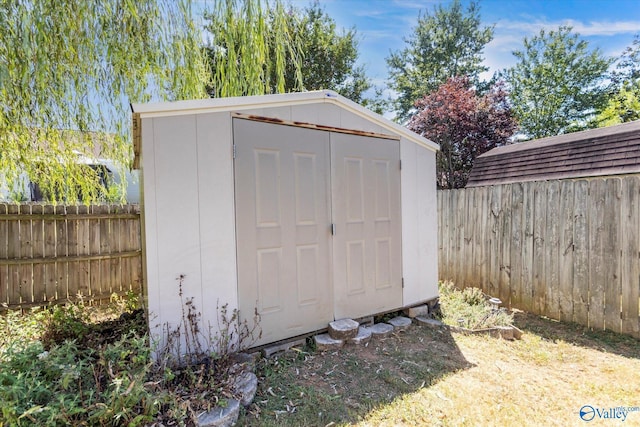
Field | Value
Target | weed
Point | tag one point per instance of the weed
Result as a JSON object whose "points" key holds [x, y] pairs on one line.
{"points": [[469, 308]]}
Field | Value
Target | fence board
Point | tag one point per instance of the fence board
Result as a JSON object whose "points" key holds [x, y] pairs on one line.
{"points": [[566, 250], [516, 244], [13, 251], [630, 269], [82, 274], [50, 274], [612, 254], [4, 269], [54, 253], [495, 233], [38, 283], [581, 252], [505, 244], [597, 276], [552, 251], [528, 301], [539, 229]]}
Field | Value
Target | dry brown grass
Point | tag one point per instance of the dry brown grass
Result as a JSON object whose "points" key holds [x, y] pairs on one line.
{"points": [[429, 377]]}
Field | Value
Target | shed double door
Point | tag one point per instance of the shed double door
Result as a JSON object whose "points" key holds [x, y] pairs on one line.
{"points": [[317, 226]]}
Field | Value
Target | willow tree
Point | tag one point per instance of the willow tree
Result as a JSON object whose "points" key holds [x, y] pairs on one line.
{"points": [[68, 71], [252, 46]]}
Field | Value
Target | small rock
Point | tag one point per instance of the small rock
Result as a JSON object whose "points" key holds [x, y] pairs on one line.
{"points": [[426, 321], [246, 385], [343, 329], [325, 342], [517, 333], [221, 416], [421, 310], [380, 330], [400, 323], [363, 337], [506, 332]]}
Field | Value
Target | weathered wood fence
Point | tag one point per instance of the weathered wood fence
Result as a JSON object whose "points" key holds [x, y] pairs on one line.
{"points": [[569, 250], [57, 253]]}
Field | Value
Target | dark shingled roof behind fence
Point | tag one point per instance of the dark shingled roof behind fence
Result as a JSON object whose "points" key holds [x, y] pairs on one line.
{"points": [[614, 150]]}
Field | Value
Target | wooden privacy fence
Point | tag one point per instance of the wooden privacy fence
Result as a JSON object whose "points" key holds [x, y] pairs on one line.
{"points": [[569, 250], [57, 253]]}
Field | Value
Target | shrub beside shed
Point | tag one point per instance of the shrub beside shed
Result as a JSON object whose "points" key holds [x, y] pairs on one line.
{"points": [[304, 208]]}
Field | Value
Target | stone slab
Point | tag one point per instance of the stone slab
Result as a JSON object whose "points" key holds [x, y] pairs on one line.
{"points": [[363, 337], [281, 347], [421, 310], [343, 329], [325, 342], [380, 330], [427, 321], [220, 416], [246, 385], [400, 323]]}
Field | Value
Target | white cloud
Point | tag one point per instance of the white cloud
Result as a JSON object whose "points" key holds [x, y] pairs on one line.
{"points": [[591, 28]]}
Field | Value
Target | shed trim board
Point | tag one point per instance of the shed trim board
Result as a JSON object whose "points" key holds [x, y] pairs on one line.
{"points": [[198, 216]]}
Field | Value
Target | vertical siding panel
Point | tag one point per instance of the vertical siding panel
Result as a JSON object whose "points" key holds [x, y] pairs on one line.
{"points": [[597, 275], [505, 249], [539, 227], [516, 244], [552, 251], [4, 247], [495, 228], [630, 266], [565, 277], [441, 249], [612, 240], [581, 252], [38, 251]]}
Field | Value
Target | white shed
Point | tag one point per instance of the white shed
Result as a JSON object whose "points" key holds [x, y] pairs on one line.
{"points": [[306, 207]]}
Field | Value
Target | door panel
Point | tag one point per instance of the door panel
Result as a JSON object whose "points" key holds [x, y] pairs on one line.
{"points": [[367, 275], [282, 228]]}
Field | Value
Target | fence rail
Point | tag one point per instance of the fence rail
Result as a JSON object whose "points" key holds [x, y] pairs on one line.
{"points": [[569, 250], [57, 253]]}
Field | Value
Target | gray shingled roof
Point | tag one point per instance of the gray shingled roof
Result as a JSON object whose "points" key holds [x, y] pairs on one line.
{"points": [[614, 150]]}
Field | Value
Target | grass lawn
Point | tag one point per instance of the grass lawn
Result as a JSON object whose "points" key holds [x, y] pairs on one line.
{"points": [[426, 376]]}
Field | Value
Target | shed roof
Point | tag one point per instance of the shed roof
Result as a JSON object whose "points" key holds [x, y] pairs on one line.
{"points": [[614, 150], [280, 100]]}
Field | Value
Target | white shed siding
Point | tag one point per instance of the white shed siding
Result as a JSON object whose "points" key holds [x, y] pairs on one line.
{"points": [[189, 198], [419, 225], [189, 216]]}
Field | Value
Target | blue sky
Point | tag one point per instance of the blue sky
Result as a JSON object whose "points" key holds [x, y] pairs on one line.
{"points": [[383, 24]]}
